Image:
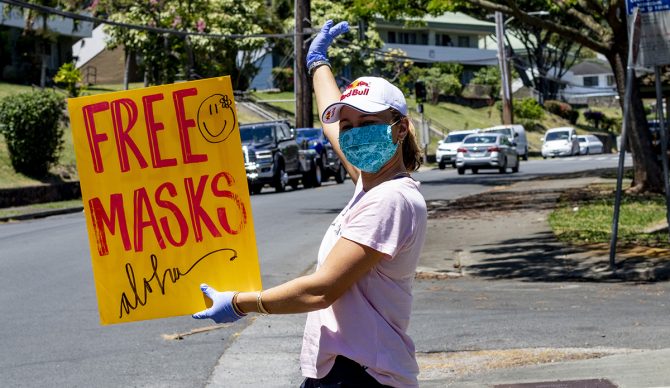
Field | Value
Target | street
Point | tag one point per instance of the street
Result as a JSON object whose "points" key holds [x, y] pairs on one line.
{"points": [[52, 337]]}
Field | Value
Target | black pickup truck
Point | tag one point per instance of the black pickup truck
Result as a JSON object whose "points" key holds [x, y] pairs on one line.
{"points": [[272, 156]]}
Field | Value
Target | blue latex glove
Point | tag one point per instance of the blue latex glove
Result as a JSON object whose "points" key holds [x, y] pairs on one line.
{"points": [[222, 306], [319, 47]]}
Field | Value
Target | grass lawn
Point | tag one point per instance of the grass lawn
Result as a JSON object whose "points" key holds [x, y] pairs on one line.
{"points": [[65, 169], [584, 216]]}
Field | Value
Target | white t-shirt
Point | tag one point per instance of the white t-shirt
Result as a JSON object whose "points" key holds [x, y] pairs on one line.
{"points": [[368, 323]]}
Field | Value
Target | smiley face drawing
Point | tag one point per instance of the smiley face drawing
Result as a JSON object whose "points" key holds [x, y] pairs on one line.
{"points": [[216, 118]]}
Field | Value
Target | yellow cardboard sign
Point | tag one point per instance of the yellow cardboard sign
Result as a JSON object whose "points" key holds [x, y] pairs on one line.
{"points": [[165, 196]]}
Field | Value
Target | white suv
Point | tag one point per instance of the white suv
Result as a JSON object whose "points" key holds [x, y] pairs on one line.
{"points": [[446, 149]]}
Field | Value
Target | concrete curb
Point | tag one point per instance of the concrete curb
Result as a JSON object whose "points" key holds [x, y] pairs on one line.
{"points": [[41, 214]]}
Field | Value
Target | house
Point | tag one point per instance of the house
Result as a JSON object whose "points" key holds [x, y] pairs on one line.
{"points": [[30, 59], [100, 65], [589, 80], [451, 37]]}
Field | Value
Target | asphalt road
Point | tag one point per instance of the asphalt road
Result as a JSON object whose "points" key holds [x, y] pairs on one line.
{"points": [[49, 321]]}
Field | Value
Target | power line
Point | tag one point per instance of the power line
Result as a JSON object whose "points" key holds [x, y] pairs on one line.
{"points": [[86, 18]]}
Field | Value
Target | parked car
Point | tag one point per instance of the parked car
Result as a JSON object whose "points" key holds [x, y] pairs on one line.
{"points": [[561, 141], [655, 131], [272, 156], [327, 162], [516, 133], [486, 151], [446, 149], [589, 144]]}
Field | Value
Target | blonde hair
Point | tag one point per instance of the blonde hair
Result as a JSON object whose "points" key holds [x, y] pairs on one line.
{"points": [[411, 152]]}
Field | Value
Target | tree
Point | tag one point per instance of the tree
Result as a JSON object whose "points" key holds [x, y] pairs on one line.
{"points": [[167, 57], [601, 27], [488, 76], [549, 57], [350, 55], [439, 82]]}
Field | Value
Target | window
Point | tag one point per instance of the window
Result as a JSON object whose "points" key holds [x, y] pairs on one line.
{"points": [[391, 37], [443, 40], [591, 81], [407, 38], [610, 80], [463, 41], [423, 39]]}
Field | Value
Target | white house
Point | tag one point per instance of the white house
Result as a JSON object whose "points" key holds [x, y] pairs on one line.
{"points": [[588, 80], [452, 37]]}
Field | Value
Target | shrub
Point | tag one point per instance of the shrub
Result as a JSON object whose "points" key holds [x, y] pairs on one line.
{"points": [[69, 76], [562, 109], [283, 77], [594, 117], [528, 108], [573, 116], [31, 127], [529, 125]]}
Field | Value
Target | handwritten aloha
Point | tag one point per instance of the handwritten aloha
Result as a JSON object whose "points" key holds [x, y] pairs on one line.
{"points": [[174, 273]]}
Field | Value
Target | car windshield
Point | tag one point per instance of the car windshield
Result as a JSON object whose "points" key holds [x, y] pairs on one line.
{"points": [[256, 134], [455, 138], [562, 135], [479, 140], [582, 139], [504, 131], [309, 133]]}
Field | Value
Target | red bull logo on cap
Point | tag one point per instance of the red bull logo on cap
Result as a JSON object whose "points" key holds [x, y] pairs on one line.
{"points": [[329, 114], [356, 88]]}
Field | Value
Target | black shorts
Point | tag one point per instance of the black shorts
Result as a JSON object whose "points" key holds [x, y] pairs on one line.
{"points": [[344, 374]]}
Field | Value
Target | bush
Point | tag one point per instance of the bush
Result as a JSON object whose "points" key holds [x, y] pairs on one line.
{"points": [[528, 108], [283, 77], [69, 76], [594, 117], [31, 127], [562, 109], [573, 116], [530, 125]]}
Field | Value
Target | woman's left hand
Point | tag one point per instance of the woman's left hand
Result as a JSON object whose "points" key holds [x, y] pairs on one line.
{"points": [[222, 310]]}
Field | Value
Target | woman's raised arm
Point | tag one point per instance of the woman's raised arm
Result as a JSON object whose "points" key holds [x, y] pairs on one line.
{"points": [[325, 87]]}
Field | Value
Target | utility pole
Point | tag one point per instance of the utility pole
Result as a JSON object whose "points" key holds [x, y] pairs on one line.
{"points": [[302, 82], [507, 111]]}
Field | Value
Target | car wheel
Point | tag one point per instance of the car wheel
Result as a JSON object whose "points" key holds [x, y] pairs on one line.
{"points": [[442, 165], [280, 180], [341, 174], [317, 175], [503, 169], [475, 170], [256, 189], [461, 171]]}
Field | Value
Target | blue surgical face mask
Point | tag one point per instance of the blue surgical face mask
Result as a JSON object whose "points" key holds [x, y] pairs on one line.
{"points": [[370, 147]]}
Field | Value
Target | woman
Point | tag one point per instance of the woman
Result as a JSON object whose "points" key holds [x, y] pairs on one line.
{"points": [[359, 299]]}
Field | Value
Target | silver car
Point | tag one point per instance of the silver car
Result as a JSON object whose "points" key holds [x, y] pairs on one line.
{"points": [[487, 151], [589, 144]]}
